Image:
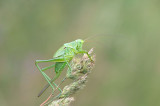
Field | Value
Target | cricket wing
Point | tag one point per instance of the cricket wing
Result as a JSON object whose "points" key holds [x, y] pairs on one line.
{"points": [[59, 66], [60, 52]]}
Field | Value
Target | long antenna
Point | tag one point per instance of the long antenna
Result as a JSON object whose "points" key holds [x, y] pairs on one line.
{"points": [[92, 37]]}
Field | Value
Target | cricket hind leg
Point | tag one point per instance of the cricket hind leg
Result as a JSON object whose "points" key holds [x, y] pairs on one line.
{"points": [[58, 88], [49, 67], [52, 81], [43, 69], [47, 87], [46, 68], [58, 94], [45, 76]]}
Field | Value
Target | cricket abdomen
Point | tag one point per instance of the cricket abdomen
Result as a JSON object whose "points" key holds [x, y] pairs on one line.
{"points": [[59, 66]]}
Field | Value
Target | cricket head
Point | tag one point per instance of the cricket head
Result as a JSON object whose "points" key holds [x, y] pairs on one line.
{"points": [[79, 44]]}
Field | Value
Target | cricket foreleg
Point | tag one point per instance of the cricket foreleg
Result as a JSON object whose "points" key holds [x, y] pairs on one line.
{"points": [[87, 54]]}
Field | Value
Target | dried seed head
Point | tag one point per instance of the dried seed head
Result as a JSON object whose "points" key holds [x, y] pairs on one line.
{"points": [[62, 102], [81, 67], [74, 87]]}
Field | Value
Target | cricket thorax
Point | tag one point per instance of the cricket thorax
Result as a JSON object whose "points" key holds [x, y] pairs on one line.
{"points": [[70, 49], [69, 52], [75, 45]]}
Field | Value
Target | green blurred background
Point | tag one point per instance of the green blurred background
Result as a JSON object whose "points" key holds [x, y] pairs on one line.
{"points": [[127, 71]]}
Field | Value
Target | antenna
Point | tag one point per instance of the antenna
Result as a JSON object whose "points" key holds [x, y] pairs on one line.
{"points": [[92, 37]]}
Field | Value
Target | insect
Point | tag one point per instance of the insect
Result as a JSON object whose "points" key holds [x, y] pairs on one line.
{"points": [[61, 59]]}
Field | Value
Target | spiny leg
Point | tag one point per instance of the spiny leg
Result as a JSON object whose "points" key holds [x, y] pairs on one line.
{"points": [[49, 83], [57, 87], [45, 76], [57, 95], [57, 75], [58, 72], [46, 68]]}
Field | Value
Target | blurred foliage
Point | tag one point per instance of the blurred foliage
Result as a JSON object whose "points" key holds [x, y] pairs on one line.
{"points": [[127, 70]]}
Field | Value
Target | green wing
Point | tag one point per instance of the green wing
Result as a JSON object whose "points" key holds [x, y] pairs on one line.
{"points": [[59, 52], [59, 66]]}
